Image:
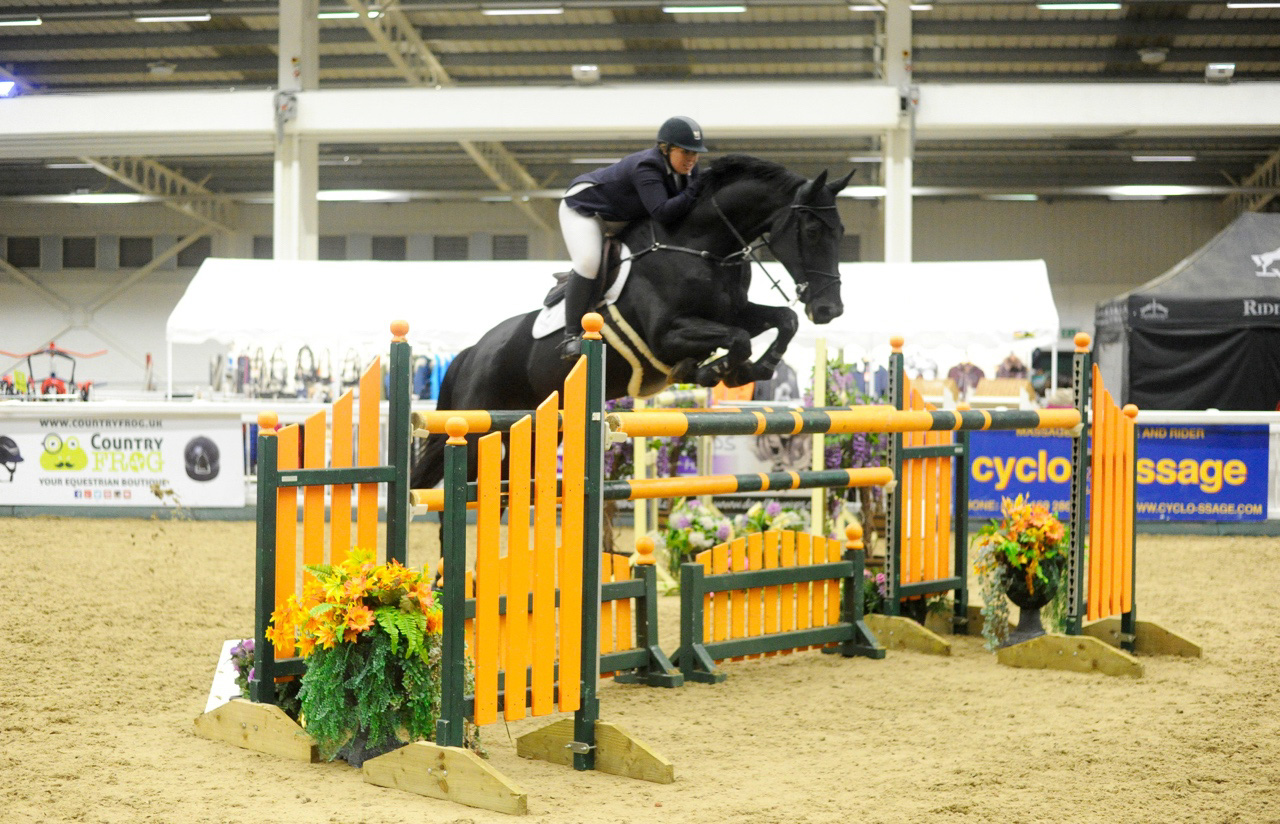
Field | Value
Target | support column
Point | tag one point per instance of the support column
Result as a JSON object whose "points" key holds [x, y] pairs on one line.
{"points": [[296, 210], [898, 144]]}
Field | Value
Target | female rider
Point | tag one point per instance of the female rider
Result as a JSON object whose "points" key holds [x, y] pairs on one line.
{"points": [[661, 183]]}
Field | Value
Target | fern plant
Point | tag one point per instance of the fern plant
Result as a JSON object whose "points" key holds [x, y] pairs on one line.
{"points": [[370, 634]]}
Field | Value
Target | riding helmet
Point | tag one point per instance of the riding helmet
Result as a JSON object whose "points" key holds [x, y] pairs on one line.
{"points": [[9, 452], [201, 458], [683, 132]]}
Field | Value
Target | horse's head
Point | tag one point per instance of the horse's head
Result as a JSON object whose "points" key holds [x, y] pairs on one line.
{"points": [[805, 237]]}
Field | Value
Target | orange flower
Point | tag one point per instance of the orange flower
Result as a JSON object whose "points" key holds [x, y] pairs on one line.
{"points": [[324, 636], [359, 618], [435, 622]]}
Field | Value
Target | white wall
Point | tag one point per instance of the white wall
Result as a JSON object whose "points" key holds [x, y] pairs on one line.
{"points": [[1094, 250]]}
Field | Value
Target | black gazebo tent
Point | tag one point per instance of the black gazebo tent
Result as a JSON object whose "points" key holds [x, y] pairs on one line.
{"points": [[1205, 334]]}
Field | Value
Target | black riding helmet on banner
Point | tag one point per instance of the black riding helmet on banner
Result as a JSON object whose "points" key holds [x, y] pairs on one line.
{"points": [[683, 132]]}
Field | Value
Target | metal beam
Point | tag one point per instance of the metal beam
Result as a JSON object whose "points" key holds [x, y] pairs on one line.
{"points": [[1267, 174], [180, 194], [420, 66]]}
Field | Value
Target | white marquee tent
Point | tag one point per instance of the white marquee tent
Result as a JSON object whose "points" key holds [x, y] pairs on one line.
{"points": [[979, 311]]}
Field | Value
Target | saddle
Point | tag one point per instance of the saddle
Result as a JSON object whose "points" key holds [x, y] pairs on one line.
{"points": [[611, 263]]}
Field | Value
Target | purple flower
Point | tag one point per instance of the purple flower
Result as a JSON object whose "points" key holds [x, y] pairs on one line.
{"points": [[772, 509], [722, 534], [680, 521], [694, 503], [252, 677]]}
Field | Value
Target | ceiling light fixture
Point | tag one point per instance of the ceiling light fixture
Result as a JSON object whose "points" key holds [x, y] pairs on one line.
{"points": [[68, 165], [174, 18], [161, 68], [1020, 196], [1267, 4], [1153, 55], [363, 195], [103, 198], [585, 73], [338, 15], [1079, 6], [499, 12], [7, 88], [1219, 72], [594, 161], [865, 159], [704, 9], [1169, 158], [21, 21]]}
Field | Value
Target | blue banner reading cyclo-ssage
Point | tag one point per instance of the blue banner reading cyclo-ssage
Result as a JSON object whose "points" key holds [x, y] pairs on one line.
{"points": [[1183, 473]]}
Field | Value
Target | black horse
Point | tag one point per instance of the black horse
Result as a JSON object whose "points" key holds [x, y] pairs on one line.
{"points": [[685, 298]]}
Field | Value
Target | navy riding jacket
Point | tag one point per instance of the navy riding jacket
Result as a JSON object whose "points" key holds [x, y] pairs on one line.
{"points": [[639, 185]]}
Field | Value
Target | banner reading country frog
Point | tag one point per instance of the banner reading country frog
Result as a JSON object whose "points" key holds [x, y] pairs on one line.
{"points": [[65, 456], [1183, 473]]}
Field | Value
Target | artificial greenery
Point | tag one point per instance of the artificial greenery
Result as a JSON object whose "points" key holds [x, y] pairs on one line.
{"points": [[1028, 541], [370, 634]]}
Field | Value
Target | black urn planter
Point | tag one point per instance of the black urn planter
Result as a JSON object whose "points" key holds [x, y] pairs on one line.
{"points": [[1030, 602]]}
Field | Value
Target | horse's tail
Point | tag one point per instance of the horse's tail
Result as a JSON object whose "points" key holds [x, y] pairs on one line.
{"points": [[428, 467]]}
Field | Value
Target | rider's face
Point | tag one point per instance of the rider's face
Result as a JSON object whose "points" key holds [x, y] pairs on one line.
{"points": [[682, 160]]}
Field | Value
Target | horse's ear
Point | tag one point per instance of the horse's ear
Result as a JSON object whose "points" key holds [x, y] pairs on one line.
{"points": [[836, 187], [807, 190]]}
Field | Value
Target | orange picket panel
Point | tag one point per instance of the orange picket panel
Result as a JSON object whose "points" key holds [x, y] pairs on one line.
{"points": [[340, 494], [835, 553], [519, 465], [1128, 454], [623, 610], [313, 444], [738, 598], [755, 595], [771, 603], [944, 509], [607, 624], [929, 500], [571, 533], [546, 437], [804, 590], [367, 455], [1097, 499], [489, 493], [1115, 433], [787, 592], [720, 611], [704, 558]]}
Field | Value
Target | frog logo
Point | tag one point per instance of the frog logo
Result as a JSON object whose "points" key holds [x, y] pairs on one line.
{"points": [[62, 454]]}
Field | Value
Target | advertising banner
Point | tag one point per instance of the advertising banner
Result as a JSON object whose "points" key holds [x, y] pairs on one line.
{"points": [[85, 458], [1183, 473]]}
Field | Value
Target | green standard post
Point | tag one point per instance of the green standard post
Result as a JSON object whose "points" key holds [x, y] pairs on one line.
{"points": [[263, 688], [584, 720], [450, 726]]}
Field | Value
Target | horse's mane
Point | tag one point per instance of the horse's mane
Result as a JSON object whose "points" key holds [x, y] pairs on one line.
{"points": [[735, 167]]}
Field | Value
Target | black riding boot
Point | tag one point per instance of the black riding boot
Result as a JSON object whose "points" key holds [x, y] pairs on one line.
{"points": [[578, 295]]}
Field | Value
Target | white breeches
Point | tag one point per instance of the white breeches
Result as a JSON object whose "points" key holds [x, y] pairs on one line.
{"points": [[583, 237]]}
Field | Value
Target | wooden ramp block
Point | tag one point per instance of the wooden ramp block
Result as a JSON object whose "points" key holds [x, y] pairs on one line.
{"points": [[1077, 653], [897, 632], [258, 727], [1149, 638], [617, 753], [449, 773]]}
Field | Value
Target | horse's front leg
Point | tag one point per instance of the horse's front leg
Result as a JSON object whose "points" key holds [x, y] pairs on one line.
{"points": [[690, 341], [756, 320]]}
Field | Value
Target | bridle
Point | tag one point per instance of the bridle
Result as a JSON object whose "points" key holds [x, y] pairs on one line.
{"points": [[805, 290]]}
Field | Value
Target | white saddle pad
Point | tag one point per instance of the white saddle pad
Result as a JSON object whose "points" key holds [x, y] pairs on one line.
{"points": [[551, 319]]}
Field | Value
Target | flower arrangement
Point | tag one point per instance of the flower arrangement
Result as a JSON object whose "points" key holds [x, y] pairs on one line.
{"points": [[242, 661], [370, 634], [1026, 546], [772, 514], [692, 526], [875, 590]]}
